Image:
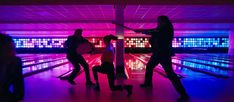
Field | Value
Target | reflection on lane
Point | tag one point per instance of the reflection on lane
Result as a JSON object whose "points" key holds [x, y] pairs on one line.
{"points": [[207, 62], [197, 67], [205, 58], [43, 66], [33, 57], [201, 67], [221, 56], [43, 63], [135, 67]]}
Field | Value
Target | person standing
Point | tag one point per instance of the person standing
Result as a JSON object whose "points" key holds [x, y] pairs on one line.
{"points": [[75, 58], [10, 72], [161, 45]]}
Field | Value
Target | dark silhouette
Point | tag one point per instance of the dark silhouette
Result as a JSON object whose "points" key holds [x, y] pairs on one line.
{"points": [[77, 59], [161, 45], [10, 72], [107, 67]]}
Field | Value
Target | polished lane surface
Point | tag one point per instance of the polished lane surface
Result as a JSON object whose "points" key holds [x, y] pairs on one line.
{"points": [[202, 87]]}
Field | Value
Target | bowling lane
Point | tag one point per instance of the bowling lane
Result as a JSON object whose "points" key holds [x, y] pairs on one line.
{"points": [[135, 67], [29, 57], [201, 87], [46, 87], [208, 57], [221, 56], [36, 63], [213, 70], [181, 71], [205, 59]]}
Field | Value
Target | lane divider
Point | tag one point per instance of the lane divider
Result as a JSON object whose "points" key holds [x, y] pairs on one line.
{"points": [[224, 68], [205, 59], [43, 62], [201, 71], [158, 69], [43, 69]]}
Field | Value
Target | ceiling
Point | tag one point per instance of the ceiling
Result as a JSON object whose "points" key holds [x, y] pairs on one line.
{"points": [[62, 20], [111, 2]]}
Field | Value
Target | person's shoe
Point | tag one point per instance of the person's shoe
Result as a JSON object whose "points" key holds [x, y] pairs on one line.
{"points": [[128, 89], [97, 87], [90, 83], [146, 85], [72, 82], [63, 78], [183, 98]]}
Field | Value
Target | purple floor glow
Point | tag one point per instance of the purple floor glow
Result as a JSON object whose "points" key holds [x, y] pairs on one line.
{"points": [[203, 82]]}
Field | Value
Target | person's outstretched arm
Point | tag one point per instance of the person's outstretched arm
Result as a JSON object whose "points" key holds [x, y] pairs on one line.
{"points": [[92, 46], [144, 31]]}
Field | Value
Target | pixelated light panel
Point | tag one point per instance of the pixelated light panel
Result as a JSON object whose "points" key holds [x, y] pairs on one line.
{"points": [[200, 42], [130, 42], [39, 42]]}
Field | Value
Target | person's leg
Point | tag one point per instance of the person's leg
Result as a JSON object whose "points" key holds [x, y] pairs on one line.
{"points": [[111, 81], [85, 65], [95, 70], [175, 80], [105, 68], [76, 69], [149, 71], [108, 69]]}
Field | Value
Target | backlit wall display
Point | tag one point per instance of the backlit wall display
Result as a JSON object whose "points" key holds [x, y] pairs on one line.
{"points": [[137, 43], [200, 42], [132, 42], [39, 42]]}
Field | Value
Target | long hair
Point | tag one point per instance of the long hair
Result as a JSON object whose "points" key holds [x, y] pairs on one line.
{"points": [[164, 21]]}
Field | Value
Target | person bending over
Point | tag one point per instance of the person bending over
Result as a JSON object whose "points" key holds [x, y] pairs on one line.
{"points": [[75, 58]]}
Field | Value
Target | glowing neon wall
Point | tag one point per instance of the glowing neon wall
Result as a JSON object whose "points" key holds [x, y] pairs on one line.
{"points": [[43, 43]]}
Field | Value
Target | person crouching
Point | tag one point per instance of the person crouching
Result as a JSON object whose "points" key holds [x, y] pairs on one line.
{"points": [[107, 67]]}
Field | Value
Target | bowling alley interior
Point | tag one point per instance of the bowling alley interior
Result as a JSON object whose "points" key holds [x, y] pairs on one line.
{"points": [[203, 44]]}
